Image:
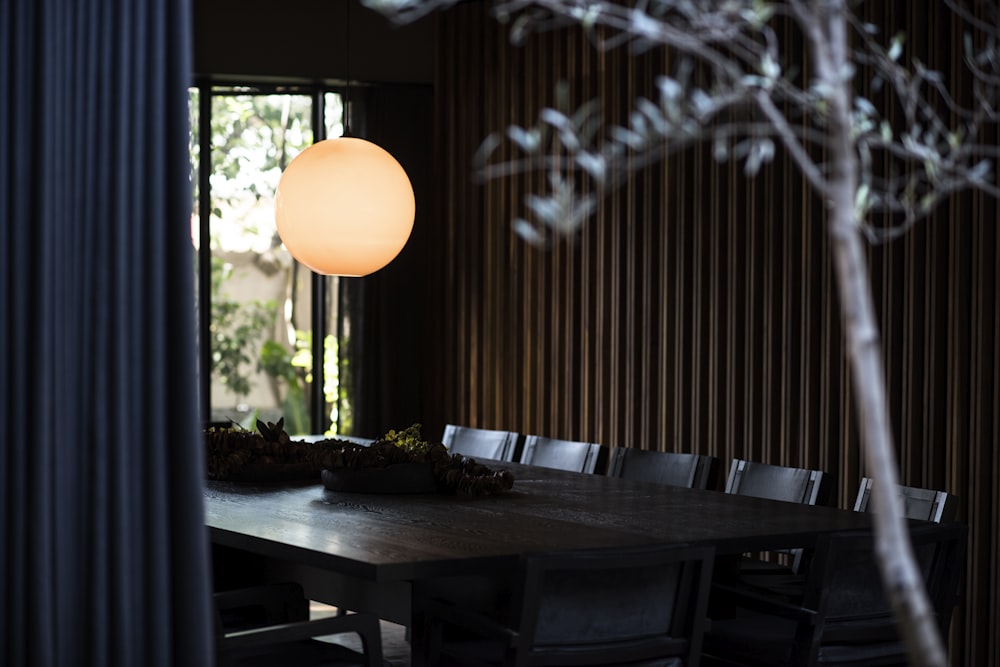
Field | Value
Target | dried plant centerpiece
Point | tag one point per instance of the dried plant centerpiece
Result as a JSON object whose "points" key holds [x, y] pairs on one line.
{"points": [[397, 462], [409, 464]]}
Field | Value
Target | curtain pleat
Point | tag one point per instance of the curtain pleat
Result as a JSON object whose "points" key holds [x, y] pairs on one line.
{"points": [[104, 557]]}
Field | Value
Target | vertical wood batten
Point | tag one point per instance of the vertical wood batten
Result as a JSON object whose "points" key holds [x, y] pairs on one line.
{"points": [[698, 312]]}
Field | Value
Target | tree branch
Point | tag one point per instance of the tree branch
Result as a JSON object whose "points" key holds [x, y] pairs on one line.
{"points": [[792, 145], [872, 165]]}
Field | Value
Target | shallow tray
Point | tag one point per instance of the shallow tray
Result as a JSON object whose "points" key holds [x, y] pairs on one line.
{"points": [[272, 472], [396, 478]]}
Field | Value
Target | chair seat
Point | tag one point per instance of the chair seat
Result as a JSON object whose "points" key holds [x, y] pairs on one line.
{"points": [[472, 653], [771, 577], [304, 653], [763, 639], [842, 616]]}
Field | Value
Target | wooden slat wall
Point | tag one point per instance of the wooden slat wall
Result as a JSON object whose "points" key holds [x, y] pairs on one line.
{"points": [[697, 311]]}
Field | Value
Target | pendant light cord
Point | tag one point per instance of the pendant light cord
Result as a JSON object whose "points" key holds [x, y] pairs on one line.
{"points": [[347, 89]]}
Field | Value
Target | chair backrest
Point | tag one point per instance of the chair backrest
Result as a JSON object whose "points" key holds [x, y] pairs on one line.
{"points": [[589, 457], [612, 606], [854, 616], [693, 471], [923, 504], [480, 443], [764, 480]]}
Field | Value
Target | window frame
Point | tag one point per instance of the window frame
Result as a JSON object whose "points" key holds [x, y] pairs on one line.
{"points": [[320, 291]]}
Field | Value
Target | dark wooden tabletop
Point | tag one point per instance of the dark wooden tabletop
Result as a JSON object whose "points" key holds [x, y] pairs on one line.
{"points": [[384, 538]]}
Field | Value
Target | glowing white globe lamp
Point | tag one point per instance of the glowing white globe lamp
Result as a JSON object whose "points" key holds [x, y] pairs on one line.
{"points": [[344, 207]]}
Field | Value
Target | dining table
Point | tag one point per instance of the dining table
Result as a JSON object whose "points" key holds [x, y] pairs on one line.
{"points": [[378, 552]]}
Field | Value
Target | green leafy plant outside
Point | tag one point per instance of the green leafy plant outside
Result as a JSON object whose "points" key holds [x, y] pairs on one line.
{"points": [[235, 329]]}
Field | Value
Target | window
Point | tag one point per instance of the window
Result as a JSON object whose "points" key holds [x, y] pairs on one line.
{"points": [[271, 332]]}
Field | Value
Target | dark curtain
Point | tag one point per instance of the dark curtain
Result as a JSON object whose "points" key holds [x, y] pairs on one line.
{"points": [[388, 307], [104, 551]]}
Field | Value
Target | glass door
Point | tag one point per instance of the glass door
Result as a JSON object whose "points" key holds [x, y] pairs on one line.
{"points": [[272, 333]]}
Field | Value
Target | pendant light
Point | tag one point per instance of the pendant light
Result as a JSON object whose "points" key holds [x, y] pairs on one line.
{"points": [[344, 206]]}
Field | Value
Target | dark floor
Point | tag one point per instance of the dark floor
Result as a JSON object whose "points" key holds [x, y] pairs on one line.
{"points": [[395, 648]]}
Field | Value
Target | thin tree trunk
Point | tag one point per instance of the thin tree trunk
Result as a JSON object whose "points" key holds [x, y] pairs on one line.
{"points": [[901, 577]]}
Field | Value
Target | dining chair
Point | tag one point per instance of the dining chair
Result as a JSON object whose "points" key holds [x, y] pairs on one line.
{"points": [[268, 624], [589, 457], [609, 606], [480, 443], [774, 482], [693, 471], [844, 617], [918, 503]]}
